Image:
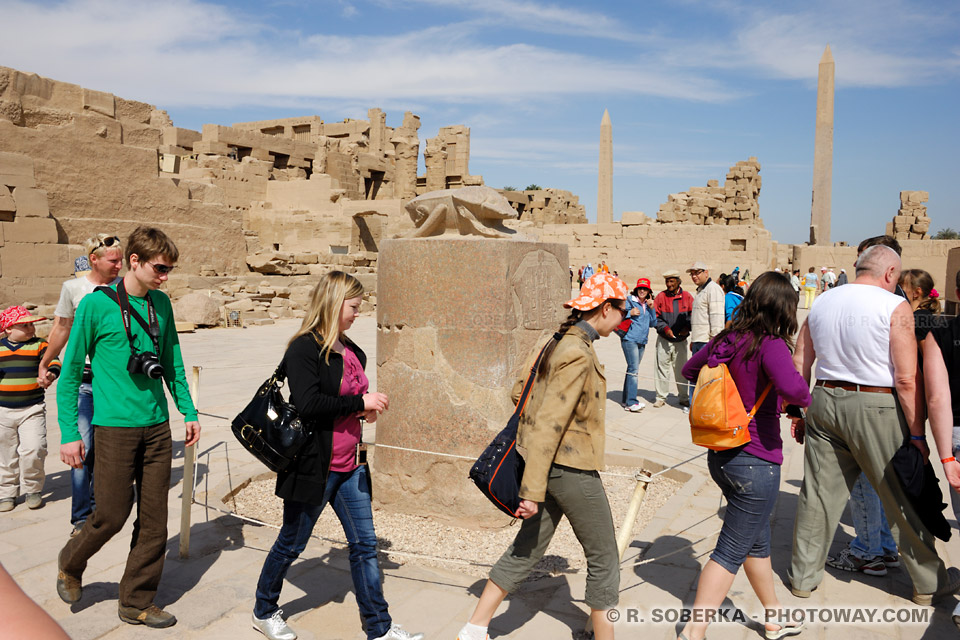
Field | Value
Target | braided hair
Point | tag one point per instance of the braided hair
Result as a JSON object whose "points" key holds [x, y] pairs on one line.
{"points": [[575, 316]]}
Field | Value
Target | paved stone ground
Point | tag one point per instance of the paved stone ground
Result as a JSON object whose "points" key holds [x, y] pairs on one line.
{"points": [[211, 592]]}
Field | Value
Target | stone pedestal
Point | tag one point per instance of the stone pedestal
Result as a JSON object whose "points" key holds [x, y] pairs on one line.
{"points": [[456, 319]]}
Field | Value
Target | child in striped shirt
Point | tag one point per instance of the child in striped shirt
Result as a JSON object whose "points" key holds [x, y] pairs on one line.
{"points": [[23, 425]]}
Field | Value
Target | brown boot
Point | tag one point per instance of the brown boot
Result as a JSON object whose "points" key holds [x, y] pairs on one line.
{"points": [[153, 616], [69, 587]]}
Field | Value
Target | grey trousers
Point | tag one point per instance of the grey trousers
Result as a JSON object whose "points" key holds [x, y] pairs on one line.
{"points": [[579, 495], [850, 431], [671, 356]]}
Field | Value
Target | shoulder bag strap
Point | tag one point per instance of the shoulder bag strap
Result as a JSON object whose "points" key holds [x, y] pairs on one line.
{"points": [[522, 402], [763, 396]]}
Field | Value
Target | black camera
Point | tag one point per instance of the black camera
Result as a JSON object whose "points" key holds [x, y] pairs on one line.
{"points": [[146, 363]]}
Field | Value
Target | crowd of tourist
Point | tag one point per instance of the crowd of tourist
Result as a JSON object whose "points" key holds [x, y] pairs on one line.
{"points": [[880, 359]]}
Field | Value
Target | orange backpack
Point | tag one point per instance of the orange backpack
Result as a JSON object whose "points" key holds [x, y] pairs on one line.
{"points": [[718, 419]]}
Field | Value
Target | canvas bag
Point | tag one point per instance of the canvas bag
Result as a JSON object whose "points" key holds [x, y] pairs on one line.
{"points": [[499, 469], [718, 419]]}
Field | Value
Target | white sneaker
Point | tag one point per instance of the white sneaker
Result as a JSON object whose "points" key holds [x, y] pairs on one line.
{"points": [[396, 633], [636, 408], [685, 409], [275, 627]]}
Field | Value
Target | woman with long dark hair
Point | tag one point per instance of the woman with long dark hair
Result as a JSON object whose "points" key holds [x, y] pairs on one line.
{"points": [[562, 432], [330, 391], [757, 350]]}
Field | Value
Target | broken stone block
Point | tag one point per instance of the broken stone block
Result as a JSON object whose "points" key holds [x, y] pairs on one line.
{"points": [[198, 309], [99, 102], [243, 304], [633, 218], [921, 226], [31, 202]]}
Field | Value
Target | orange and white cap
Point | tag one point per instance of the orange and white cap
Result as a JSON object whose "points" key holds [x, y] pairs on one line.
{"points": [[596, 290]]}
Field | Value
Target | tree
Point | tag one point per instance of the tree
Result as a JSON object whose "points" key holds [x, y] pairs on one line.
{"points": [[533, 187], [509, 188], [947, 234]]}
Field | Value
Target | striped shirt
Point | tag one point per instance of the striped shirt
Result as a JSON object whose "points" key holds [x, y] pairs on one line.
{"points": [[19, 367]]}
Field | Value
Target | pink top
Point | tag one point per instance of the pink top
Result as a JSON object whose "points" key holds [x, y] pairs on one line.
{"points": [[346, 429]]}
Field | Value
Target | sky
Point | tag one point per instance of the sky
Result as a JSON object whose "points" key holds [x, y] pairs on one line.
{"points": [[692, 86]]}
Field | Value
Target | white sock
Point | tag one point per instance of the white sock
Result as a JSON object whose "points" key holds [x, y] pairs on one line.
{"points": [[472, 632]]}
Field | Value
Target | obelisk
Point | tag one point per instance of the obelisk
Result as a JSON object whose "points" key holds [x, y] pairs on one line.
{"points": [[605, 182], [823, 153]]}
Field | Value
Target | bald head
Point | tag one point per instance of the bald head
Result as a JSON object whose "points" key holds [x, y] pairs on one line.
{"points": [[879, 265]]}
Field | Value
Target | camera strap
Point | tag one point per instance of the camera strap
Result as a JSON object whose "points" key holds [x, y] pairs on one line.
{"points": [[152, 327]]}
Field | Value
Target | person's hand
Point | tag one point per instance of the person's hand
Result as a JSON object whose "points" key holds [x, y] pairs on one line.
{"points": [[634, 312], [375, 401], [527, 509], [42, 374], [73, 453], [369, 416], [650, 303], [924, 449], [952, 471], [668, 332], [45, 380], [193, 433], [798, 429]]}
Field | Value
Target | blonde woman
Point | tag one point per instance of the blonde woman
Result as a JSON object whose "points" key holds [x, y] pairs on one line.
{"points": [[330, 391], [562, 431]]}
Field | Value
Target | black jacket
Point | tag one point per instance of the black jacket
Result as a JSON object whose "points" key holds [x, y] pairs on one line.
{"points": [[315, 392]]}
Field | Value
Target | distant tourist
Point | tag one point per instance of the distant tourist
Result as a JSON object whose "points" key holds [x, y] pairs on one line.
{"points": [[732, 297], [587, 272], [706, 318], [757, 351], [328, 386], [101, 266], [795, 282], [810, 283], [842, 278], [563, 436], [633, 339], [861, 412], [131, 367], [829, 279], [23, 418], [673, 307]]}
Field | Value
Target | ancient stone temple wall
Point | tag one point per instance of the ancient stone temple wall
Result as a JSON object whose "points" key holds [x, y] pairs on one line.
{"points": [[911, 221], [733, 204], [547, 206]]}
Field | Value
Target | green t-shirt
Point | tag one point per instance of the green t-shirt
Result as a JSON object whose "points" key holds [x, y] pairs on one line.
{"points": [[121, 399]]}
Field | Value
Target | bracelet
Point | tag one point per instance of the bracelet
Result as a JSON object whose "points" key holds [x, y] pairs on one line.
{"points": [[913, 437], [946, 460]]}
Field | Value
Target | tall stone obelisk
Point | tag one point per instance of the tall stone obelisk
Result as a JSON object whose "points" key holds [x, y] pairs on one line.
{"points": [[823, 153], [605, 182]]}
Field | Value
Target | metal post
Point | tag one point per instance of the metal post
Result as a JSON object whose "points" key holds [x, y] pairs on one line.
{"points": [[626, 529], [189, 456]]}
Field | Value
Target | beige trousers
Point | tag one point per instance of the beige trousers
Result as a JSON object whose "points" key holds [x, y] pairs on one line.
{"points": [[23, 446]]}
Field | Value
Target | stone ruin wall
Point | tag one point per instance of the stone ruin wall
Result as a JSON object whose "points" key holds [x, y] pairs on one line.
{"points": [[546, 206], [911, 221], [735, 203]]}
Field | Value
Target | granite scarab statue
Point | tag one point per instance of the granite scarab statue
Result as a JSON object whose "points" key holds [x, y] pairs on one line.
{"points": [[466, 211]]}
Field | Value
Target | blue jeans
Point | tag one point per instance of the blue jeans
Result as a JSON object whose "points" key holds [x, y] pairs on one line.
{"points": [[696, 346], [349, 492], [873, 537], [81, 479], [633, 352], [751, 486]]}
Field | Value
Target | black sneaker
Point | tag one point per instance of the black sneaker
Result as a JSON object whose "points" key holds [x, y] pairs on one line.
{"points": [[849, 562]]}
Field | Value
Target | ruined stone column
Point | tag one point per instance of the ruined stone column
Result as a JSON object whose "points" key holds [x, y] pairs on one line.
{"points": [[605, 182], [456, 319], [823, 153]]}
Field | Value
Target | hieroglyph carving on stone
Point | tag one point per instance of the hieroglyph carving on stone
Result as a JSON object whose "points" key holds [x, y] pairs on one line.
{"points": [[535, 284], [467, 211]]}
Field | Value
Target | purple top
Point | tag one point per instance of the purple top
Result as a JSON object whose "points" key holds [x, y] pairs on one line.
{"points": [[346, 429], [771, 362]]}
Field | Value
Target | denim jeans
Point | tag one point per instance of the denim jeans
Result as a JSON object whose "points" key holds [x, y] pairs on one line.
{"points": [[696, 346], [751, 486], [870, 523], [633, 352], [81, 479], [349, 492], [954, 496]]}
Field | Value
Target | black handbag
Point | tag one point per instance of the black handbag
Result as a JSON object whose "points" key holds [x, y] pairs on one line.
{"points": [[269, 426], [499, 469]]}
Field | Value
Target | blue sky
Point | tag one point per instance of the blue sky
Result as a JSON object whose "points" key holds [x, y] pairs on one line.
{"points": [[692, 86]]}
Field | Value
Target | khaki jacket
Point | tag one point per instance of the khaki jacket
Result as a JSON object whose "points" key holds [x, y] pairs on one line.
{"points": [[563, 421]]}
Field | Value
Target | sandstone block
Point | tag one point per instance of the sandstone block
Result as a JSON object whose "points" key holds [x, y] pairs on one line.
{"points": [[889, 230], [31, 202], [306, 258], [137, 136], [713, 183], [243, 304], [198, 309], [15, 164], [921, 226], [99, 102], [633, 218], [18, 181], [7, 203], [34, 230], [27, 260], [666, 216], [612, 229]]}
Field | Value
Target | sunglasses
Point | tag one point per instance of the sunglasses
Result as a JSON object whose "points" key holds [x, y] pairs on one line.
{"points": [[161, 269], [108, 242]]}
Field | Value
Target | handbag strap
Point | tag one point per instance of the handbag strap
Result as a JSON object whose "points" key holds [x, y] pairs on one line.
{"points": [[763, 396], [522, 402]]}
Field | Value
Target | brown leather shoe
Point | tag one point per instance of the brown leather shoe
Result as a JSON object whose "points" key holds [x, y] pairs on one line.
{"points": [[153, 616], [69, 587], [948, 589]]}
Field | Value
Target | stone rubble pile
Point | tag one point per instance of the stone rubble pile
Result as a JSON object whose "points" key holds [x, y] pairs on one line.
{"points": [[735, 203], [911, 221]]}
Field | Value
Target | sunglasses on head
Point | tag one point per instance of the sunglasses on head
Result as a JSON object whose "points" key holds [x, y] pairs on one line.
{"points": [[108, 242]]}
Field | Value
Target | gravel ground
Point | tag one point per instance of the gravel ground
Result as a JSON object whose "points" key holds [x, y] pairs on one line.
{"points": [[474, 551]]}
